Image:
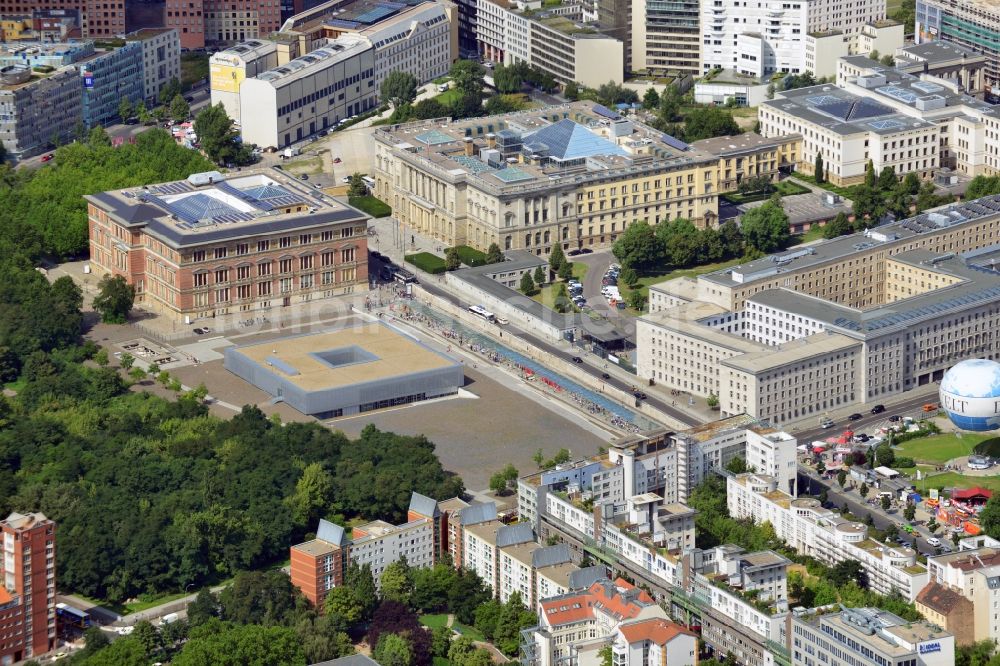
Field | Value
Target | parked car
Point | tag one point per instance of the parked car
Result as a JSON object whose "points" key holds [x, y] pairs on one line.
{"points": [[585, 250], [574, 253], [47, 158], [202, 331], [336, 160], [605, 375], [862, 437], [878, 409], [930, 407], [933, 541], [826, 423]]}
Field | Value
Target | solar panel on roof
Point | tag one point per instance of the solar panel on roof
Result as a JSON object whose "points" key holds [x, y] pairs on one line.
{"points": [[341, 23], [605, 112], [376, 14], [674, 142]]}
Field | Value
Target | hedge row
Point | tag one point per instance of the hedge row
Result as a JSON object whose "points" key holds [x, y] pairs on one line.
{"points": [[427, 262]]}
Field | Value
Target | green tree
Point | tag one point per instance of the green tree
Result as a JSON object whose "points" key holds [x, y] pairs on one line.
{"points": [[888, 60], [989, 517], [179, 109], [818, 171], [126, 361], [218, 137], [258, 597], [909, 511], [506, 79], [838, 226], [712, 401], [770, 90], [142, 113], [638, 246], [842, 478], [637, 300], [101, 357], [911, 183], [571, 91], [527, 284], [250, 645], [452, 260], [887, 179], [885, 502], [932, 525], [863, 490], [357, 186], [629, 276], [884, 454], [766, 227], [426, 109], [982, 186], [397, 582], [556, 257], [493, 254], [468, 75], [539, 275], [114, 299], [398, 88], [204, 607], [565, 271], [871, 178], [869, 204], [392, 650], [98, 138], [125, 109], [170, 90], [847, 571], [708, 122], [313, 495], [605, 654], [441, 641], [651, 100]]}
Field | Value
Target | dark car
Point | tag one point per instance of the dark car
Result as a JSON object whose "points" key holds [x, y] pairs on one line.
{"points": [[573, 253], [585, 250], [641, 395], [862, 437], [577, 359], [854, 417], [304, 176], [605, 375], [895, 418], [878, 409], [202, 331]]}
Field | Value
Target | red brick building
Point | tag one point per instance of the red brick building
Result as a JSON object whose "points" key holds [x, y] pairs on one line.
{"points": [[28, 594], [214, 245]]}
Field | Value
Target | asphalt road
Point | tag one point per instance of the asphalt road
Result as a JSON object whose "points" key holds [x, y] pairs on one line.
{"points": [[586, 366], [908, 407]]}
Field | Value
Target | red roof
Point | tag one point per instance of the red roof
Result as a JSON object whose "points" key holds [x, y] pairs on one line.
{"points": [[655, 630], [971, 493], [619, 599]]}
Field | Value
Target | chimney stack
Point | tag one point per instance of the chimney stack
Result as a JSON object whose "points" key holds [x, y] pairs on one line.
{"points": [[491, 140], [469, 146]]}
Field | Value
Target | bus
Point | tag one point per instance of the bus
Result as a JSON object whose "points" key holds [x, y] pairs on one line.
{"points": [[480, 311], [73, 616]]}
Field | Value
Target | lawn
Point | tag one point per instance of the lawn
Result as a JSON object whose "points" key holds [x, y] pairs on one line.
{"points": [[580, 270], [17, 385], [940, 448], [312, 164], [371, 205], [434, 621], [547, 296], [846, 192], [785, 188], [194, 68], [449, 97], [815, 233], [466, 630], [956, 480], [427, 262]]}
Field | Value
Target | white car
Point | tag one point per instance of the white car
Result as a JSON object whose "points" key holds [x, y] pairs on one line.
{"points": [[934, 541]]}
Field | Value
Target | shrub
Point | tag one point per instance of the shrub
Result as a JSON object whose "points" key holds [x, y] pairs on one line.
{"points": [[427, 262], [470, 256]]}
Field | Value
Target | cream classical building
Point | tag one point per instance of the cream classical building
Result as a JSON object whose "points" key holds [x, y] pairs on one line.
{"points": [[575, 174], [842, 322]]}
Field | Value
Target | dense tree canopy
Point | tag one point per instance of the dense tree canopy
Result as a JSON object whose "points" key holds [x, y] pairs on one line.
{"points": [[765, 227], [398, 88], [219, 138], [43, 212]]}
